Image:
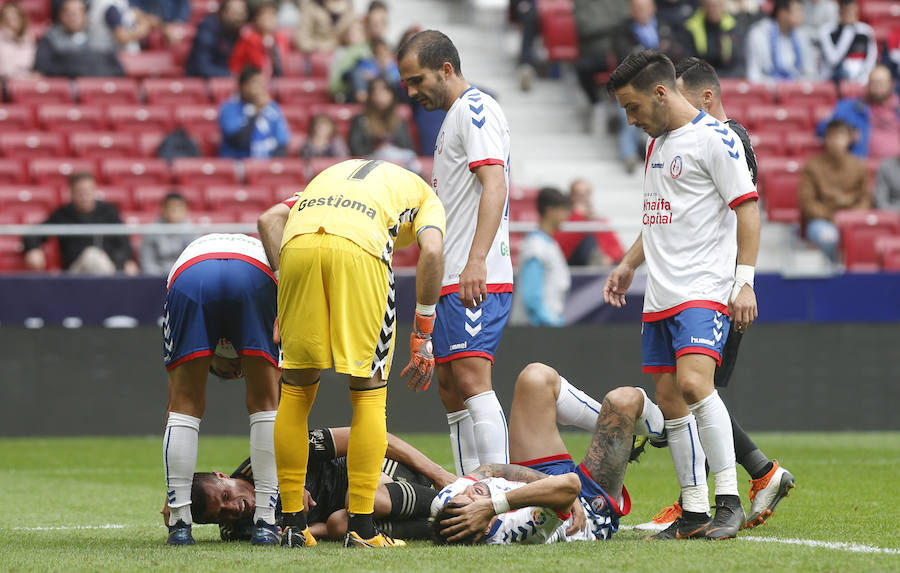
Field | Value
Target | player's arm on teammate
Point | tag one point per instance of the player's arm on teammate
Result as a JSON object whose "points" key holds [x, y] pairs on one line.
{"points": [[742, 302], [271, 228], [473, 279], [620, 278]]}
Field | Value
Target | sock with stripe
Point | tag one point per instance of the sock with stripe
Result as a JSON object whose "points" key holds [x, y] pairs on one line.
{"points": [[489, 426], [262, 458], [689, 461], [409, 500], [411, 529], [575, 408], [291, 434], [365, 450], [714, 427], [179, 461], [650, 423], [462, 442]]}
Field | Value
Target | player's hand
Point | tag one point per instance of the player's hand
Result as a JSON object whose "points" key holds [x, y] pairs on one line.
{"points": [[473, 519], [308, 501], [276, 334], [579, 520], [473, 283], [617, 284], [421, 357], [742, 308]]}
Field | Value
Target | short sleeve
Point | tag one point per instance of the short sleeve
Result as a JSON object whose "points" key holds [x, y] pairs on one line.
{"points": [[484, 132], [431, 211], [728, 166]]}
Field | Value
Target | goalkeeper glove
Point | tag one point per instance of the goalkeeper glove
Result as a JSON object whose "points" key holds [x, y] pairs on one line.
{"points": [[421, 362]]}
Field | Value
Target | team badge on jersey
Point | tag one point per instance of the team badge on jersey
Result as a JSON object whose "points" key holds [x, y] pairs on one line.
{"points": [[675, 168]]}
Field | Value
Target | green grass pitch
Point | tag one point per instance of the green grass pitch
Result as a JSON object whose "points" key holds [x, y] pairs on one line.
{"points": [[57, 492]]}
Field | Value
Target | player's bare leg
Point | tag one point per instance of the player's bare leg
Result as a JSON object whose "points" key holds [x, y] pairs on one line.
{"points": [[262, 379], [187, 401], [471, 376], [462, 433], [533, 429]]}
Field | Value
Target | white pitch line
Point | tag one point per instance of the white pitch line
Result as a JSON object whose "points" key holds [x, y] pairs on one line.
{"points": [[840, 546], [69, 527]]}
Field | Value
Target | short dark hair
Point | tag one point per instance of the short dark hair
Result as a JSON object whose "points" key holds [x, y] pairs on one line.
{"points": [[698, 74], [643, 70], [247, 74], [438, 537], [549, 197], [264, 5], [433, 49], [173, 196], [836, 124], [376, 5], [76, 178], [198, 494], [781, 5]]}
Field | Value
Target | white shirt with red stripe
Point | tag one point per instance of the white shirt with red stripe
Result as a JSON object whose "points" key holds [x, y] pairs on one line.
{"points": [[695, 175], [222, 246], [474, 133]]}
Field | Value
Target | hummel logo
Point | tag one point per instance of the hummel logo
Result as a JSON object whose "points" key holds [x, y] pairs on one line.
{"points": [[473, 331], [473, 316], [359, 363]]}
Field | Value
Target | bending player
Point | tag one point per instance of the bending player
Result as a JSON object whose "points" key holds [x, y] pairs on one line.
{"points": [[471, 176], [532, 499], [402, 500], [690, 240], [219, 311]]}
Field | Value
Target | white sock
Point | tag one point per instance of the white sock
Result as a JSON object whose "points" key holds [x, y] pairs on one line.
{"points": [[714, 425], [650, 423], [575, 408], [690, 463], [462, 442], [179, 462], [491, 439], [262, 459]]}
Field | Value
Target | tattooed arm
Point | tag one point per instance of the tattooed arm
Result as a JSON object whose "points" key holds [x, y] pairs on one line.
{"points": [[510, 472]]}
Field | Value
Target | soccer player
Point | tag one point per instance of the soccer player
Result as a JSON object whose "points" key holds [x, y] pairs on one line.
{"points": [[336, 299], [532, 499], [695, 176], [218, 317], [402, 500], [471, 176]]}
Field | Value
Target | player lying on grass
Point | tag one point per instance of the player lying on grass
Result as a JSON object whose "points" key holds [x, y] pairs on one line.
{"points": [[544, 497], [402, 500]]}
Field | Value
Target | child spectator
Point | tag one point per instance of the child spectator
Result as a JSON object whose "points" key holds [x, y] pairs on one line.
{"points": [[379, 127], [159, 252], [323, 140], [16, 42]]}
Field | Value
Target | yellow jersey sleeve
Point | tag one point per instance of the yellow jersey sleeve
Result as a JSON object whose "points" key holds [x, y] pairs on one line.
{"points": [[429, 213]]}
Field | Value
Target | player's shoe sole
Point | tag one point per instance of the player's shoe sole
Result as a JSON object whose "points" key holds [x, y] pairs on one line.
{"points": [[293, 536], [180, 534], [767, 492], [353, 540], [661, 520]]}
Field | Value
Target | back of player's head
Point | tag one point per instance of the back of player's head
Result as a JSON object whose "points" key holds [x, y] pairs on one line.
{"points": [[643, 71], [437, 536], [198, 494], [433, 48], [697, 74], [549, 197]]}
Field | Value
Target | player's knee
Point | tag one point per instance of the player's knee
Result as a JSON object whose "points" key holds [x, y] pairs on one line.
{"points": [[537, 375], [692, 386], [625, 398]]}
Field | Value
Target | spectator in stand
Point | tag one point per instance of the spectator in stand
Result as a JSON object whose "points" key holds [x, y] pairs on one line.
{"points": [[170, 14], [381, 64], [215, 40], [376, 21], [818, 13], [779, 49], [252, 124], [260, 45], [323, 23], [849, 50], [673, 13], [353, 49], [65, 50], [90, 254], [159, 252], [887, 185], [832, 181], [875, 117], [323, 140], [544, 279], [581, 248], [380, 128], [714, 35], [115, 25], [525, 12], [17, 45]]}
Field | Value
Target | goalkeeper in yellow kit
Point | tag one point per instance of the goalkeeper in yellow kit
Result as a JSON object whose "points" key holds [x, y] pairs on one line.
{"points": [[336, 300]]}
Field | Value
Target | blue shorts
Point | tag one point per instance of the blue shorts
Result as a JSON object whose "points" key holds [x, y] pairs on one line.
{"points": [[691, 331], [215, 299], [606, 510], [460, 332]]}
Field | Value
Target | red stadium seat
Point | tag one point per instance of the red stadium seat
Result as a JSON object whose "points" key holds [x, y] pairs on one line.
{"points": [[148, 143], [274, 172], [297, 117], [28, 144], [285, 192], [12, 171], [406, 257], [16, 118], [427, 162], [295, 64], [872, 165], [803, 144], [175, 92], [239, 197], [30, 214], [198, 118], [743, 93], [806, 93], [107, 91], [767, 144], [848, 89], [118, 196], [149, 197], [222, 88], [213, 217], [200, 171], [778, 181], [100, 145], [37, 10], [209, 142], [320, 63], [139, 217], [68, 118], [888, 249], [158, 64], [44, 198], [822, 113], [880, 11], [779, 118], [57, 170], [860, 229], [306, 91], [136, 171], [342, 114], [517, 193], [200, 9], [136, 118], [320, 164], [11, 254], [33, 91], [9, 218], [295, 145], [560, 35]]}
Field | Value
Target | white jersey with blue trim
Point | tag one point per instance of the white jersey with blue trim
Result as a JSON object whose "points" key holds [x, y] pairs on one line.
{"points": [[693, 178], [221, 246], [474, 133]]}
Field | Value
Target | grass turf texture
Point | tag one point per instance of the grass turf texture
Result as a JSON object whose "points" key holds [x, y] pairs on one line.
{"points": [[847, 492]]}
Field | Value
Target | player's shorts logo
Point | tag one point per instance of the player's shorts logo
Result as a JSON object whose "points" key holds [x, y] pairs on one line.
{"points": [[538, 517], [675, 168]]}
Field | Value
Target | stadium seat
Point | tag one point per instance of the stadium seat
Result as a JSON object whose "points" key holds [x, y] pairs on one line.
{"points": [[202, 171], [12, 171], [11, 254], [28, 144], [107, 91], [880, 11], [320, 164], [306, 91], [860, 229], [888, 249], [274, 172], [285, 192], [214, 217], [557, 22], [767, 144], [67, 118], [37, 10], [342, 114], [221, 89], [806, 93], [200, 9], [118, 196], [57, 170], [848, 89], [778, 181], [406, 257], [523, 210], [175, 92], [779, 118], [803, 144], [136, 118], [297, 117], [158, 64], [44, 198], [34, 91], [209, 142], [100, 145], [16, 118], [872, 165], [148, 143], [295, 145], [9, 218], [238, 198], [822, 113], [198, 118], [320, 63], [139, 217], [295, 64], [149, 197], [742, 92], [518, 193], [134, 171], [427, 162]]}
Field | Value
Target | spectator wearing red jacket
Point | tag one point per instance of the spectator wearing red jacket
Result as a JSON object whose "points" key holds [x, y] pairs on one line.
{"points": [[260, 46], [581, 248]]}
